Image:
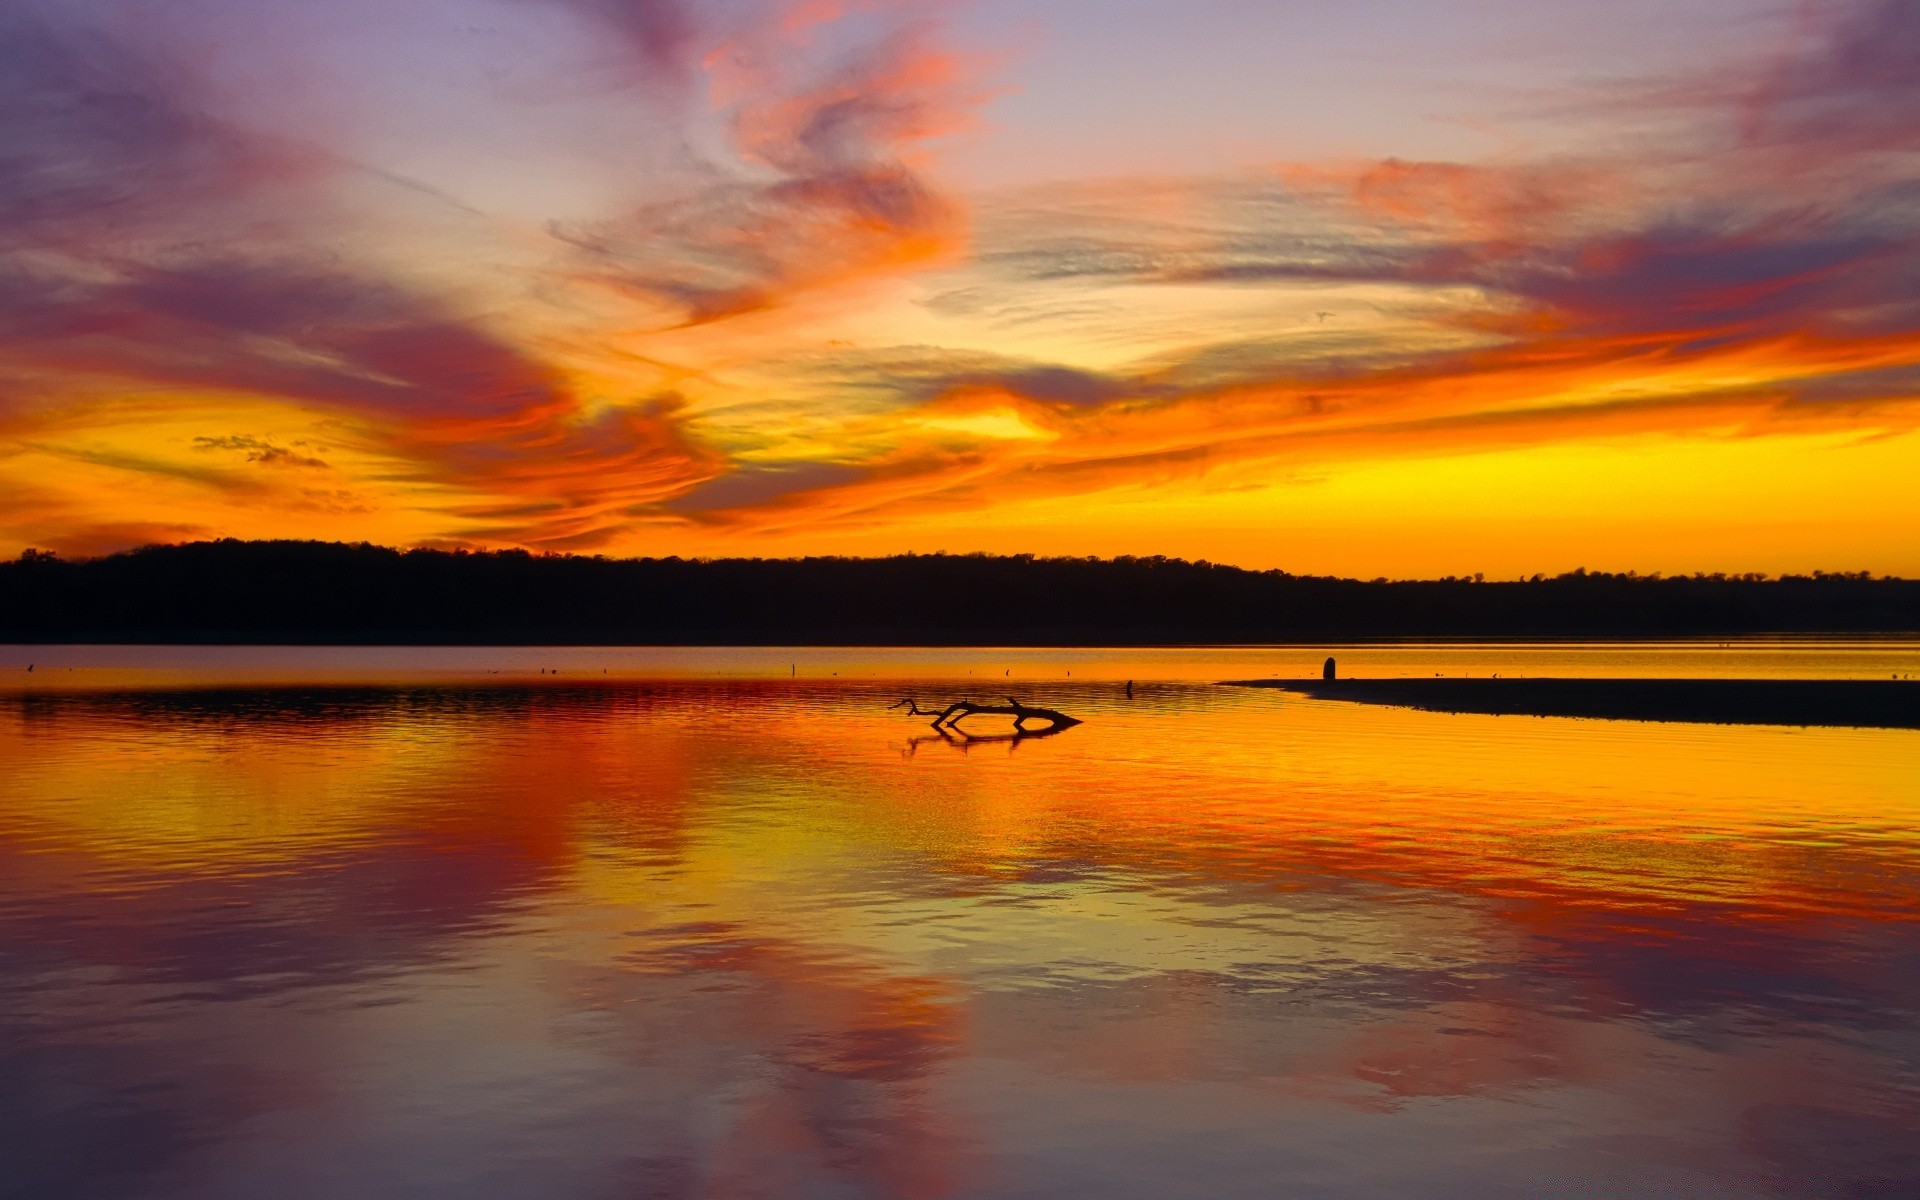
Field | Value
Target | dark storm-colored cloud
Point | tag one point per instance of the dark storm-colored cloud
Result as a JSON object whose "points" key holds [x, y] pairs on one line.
{"points": [[1060, 385]]}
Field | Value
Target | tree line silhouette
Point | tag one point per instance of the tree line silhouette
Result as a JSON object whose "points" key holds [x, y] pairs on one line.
{"points": [[280, 591]]}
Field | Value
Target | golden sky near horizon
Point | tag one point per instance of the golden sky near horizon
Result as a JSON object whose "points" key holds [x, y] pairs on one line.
{"points": [[1410, 288]]}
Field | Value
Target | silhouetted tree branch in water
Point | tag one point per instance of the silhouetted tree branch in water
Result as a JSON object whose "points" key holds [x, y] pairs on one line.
{"points": [[950, 717], [964, 741]]}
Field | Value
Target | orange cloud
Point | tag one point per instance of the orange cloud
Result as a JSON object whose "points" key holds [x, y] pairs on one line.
{"points": [[790, 325], [831, 186]]}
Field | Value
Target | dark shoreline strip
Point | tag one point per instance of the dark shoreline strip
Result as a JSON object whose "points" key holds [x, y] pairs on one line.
{"points": [[1871, 703]]}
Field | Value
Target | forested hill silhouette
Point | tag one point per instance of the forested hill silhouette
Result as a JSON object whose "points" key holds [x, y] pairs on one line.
{"points": [[285, 591]]}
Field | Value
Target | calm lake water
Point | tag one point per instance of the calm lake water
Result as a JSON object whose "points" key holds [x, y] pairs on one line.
{"points": [[716, 923]]}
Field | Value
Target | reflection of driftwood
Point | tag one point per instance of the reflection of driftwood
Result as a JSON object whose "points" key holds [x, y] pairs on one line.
{"points": [[963, 741], [947, 720]]}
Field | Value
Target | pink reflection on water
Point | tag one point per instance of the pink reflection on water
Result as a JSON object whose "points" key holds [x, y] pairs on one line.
{"points": [[724, 939]]}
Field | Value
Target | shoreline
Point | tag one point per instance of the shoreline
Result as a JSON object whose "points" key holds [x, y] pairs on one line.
{"points": [[15, 639], [1848, 703]]}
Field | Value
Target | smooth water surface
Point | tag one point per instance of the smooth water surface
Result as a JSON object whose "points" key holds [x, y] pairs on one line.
{"points": [[718, 923]]}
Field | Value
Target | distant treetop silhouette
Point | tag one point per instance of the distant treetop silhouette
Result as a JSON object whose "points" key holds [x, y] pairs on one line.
{"points": [[329, 592]]}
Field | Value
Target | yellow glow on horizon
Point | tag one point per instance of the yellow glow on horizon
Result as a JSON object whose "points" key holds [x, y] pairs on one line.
{"points": [[771, 308], [1773, 504]]}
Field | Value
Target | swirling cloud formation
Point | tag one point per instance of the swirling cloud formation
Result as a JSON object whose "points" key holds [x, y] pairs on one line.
{"points": [[663, 276]]}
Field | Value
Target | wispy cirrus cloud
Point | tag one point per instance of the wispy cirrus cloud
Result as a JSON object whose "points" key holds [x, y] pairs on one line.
{"points": [[158, 246], [1697, 281], [771, 309], [828, 184]]}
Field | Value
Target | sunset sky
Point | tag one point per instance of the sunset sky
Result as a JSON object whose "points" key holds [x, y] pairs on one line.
{"points": [[1384, 287]]}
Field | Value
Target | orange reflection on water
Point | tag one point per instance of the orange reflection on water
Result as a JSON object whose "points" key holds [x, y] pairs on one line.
{"points": [[744, 938]]}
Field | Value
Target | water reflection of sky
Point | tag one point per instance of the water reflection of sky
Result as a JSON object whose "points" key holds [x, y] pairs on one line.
{"points": [[672, 938]]}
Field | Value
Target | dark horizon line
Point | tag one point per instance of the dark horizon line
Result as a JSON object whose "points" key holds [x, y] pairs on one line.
{"points": [[34, 554], [333, 593]]}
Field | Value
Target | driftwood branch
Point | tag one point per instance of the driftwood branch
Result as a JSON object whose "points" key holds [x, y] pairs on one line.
{"points": [[948, 719]]}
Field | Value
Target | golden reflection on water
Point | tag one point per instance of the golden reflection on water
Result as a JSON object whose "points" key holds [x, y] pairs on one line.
{"points": [[751, 936]]}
